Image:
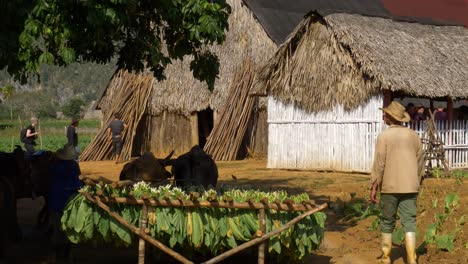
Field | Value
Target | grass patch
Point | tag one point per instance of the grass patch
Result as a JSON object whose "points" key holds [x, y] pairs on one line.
{"points": [[49, 123], [49, 142], [53, 133]]}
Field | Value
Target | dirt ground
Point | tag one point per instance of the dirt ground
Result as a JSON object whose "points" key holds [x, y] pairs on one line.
{"points": [[345, 241]]}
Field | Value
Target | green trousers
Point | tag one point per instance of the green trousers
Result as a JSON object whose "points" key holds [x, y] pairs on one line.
{"points": [[405, 203]]}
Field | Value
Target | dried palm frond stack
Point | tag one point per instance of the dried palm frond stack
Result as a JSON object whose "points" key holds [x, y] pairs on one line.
{"points": [[228, 133], [130, 100]]}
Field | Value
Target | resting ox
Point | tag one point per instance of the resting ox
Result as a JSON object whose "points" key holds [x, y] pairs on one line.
{"points": [[195, 168], [146, 168], [11, 188]]}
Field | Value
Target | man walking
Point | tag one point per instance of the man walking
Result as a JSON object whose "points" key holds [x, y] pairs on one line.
{"points": [[64, 183], [31, 135], [396, 173], [114, 134], [72, 136]]}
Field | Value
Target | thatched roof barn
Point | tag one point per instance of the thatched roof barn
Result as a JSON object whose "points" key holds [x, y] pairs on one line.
{"points": [[327, 80], [181, 110]]}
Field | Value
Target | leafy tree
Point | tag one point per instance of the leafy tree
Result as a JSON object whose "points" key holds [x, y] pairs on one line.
{"points": [[7, 91], [141, 33], [72, 108]]}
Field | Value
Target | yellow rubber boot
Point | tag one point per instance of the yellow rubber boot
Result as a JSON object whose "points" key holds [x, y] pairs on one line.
{"points": [[410, 242], [386, 248]]}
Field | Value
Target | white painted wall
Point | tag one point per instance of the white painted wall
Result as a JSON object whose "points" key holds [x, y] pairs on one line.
{"points": [[336, 139]]}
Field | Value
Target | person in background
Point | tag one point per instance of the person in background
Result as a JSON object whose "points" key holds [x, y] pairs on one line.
{"points": [[31, 136], [396, 174], [463, 112], [411, 109], [419, 115], [72, 136], [64, 183], [114, 134], [440, 114]]}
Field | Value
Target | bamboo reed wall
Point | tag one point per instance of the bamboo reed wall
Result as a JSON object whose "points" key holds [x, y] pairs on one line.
{"points": [[331, 140], [340, 140]]}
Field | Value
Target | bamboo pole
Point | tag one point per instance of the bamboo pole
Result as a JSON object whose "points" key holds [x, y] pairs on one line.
{"points": [[141, 244], [40, 132], [130, 93], [261, 247], [229, 131], [100, 180], [137, 231], [265, 237], [121, 184], [213, 204]]}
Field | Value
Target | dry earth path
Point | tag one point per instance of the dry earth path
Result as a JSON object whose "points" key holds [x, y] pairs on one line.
{"points": [[345, 241]]}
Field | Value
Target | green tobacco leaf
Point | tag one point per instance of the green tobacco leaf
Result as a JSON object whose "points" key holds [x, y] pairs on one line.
{"points": [[445, 242], [375, 224], [83, 213], [73, 206], [462, 220], [122, 232], [398, 235], [197, 229], [429, 236], [88, 227], [451, 201], [275, 245], [320, 218], [103, 227]]}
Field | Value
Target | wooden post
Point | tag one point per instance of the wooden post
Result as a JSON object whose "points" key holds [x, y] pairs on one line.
{"points": [[450, 108], [215, 117], [261, 247], [40, 133], [141, 244], [194, 128]]}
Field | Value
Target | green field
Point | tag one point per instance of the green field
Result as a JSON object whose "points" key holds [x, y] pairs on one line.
{"points": [[53, 133]]}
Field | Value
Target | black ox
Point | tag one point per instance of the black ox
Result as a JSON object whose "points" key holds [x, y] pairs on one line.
{"points": [[12, 165], [195, 168], [146, 168]]}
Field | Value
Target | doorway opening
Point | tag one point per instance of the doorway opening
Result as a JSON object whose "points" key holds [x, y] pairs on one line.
{"points": [[205, 125]]}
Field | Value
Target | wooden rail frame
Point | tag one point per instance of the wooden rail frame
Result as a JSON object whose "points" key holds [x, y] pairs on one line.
{"points": [[141, 231]]}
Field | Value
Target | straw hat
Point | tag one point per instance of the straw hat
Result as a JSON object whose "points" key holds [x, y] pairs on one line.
{"points": [[397, 111], [66, 153]]}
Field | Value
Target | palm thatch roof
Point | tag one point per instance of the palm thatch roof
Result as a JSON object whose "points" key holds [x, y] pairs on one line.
{"points": [[346, 58], [184, 94]]}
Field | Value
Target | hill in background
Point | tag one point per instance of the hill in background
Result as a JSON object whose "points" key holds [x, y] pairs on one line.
{"points": [[57, 87]]}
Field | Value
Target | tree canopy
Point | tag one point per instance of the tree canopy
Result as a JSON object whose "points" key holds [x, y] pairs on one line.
{"points": [[139, 33]]}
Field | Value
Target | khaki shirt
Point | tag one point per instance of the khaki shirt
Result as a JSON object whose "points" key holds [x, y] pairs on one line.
{"points": [[398, 161]]}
